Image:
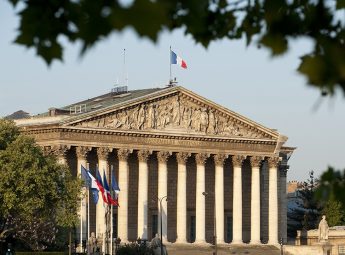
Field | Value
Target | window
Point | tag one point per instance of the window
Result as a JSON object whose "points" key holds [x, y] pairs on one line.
{"points": [[341, 249]]}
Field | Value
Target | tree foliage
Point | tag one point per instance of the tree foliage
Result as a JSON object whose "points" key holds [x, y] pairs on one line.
{"points": [[272, 24], [331, 192], [37, 194], [306, 214], [334, 212]]}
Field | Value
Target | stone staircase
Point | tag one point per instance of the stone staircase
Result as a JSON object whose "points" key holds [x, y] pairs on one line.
{"points": [[192, 249]]}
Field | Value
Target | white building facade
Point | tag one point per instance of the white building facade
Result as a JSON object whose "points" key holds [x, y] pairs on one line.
{"points": [[213, 165]]}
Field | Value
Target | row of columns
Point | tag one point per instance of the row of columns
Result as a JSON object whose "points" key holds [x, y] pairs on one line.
{"points": [[182, 157]]}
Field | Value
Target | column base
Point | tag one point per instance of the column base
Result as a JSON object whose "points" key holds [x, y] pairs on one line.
{"points": [[200, 242], [255, 242], [222, 243], [237, 242], [181, 241], [273, 243]]}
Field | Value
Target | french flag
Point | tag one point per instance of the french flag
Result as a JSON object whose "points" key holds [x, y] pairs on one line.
{"points": [[100, 186], [175, 59], [110, 200]]}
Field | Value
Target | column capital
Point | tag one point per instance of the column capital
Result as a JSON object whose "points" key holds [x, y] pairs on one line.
{"points": [[82, 151], [123, 154], [182, 157], [143, 155], [255, 161], [273, 162], [201, 158], [219, 159], [237, 160], [283, 169], [103, 153], [56, 150], [163, 156]]}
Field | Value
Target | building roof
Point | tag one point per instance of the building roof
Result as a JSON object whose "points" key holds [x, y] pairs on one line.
{"points": [[99, 102], [18, 115]]}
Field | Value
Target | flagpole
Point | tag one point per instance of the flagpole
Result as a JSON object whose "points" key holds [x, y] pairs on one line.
{"points": [[170, 80], [81, 217], [88, 209], [111, 215]]}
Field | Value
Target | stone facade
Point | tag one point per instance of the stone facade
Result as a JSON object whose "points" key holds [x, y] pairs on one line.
{"points": [[222, 173]]}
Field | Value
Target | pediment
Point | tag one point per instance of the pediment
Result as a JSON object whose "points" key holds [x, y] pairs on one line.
{"points": [[177, 112]]}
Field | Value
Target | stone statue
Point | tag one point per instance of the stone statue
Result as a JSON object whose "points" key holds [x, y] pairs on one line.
{"points": [[212, 124], [176, 111], [187, 118], [203, 120], [156, 246], [151, 116], [323, 229], [92, 243], [141, 117]]}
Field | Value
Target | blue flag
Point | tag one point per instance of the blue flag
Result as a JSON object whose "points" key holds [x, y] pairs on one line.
{"points": [[85, 177], [90, 183], [115, 187], [98, 177], [95, 195], [110, 200]]}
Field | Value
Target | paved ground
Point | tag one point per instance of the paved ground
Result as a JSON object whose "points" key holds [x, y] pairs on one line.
{"points": [[192, 249]]}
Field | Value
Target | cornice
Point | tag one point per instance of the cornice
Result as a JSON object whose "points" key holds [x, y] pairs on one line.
{"points": [[147, 134]]}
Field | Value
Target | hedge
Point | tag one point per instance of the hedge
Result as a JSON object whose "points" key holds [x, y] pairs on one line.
{"points": [[40, 253]]}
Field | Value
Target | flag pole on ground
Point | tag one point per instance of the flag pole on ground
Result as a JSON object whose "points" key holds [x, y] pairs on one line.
{"points": [[88, 210], [111, 216]]}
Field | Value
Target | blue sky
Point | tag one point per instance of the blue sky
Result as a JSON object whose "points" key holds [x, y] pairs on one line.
{"points": [[245, 80]]}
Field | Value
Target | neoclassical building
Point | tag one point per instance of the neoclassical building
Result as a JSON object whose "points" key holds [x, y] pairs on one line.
{"points": [[214, 165]]}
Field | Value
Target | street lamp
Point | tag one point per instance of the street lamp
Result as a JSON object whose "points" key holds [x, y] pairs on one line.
{"points": [[214, 222], [161, 216]]}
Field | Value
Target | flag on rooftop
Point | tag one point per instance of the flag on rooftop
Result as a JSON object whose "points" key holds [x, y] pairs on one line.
{"points": [[175, 59]]}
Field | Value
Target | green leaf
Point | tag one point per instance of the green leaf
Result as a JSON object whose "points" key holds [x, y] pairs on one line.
{"points": [[340, 4], [275, 42]]}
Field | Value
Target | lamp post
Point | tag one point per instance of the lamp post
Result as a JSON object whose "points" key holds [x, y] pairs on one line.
{"points": [[214, 223], [161, 216]]}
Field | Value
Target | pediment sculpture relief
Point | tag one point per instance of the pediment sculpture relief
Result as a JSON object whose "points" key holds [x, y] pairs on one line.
{"points": [[174, 114]]}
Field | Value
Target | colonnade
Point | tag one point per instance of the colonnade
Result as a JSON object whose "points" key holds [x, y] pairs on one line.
{"points": [[181, 225]]}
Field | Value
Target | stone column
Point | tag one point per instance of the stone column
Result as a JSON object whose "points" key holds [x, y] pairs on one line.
{"points": [[162, 157], [181, 197], [219, 196], [122, 210], [283, 169], [101, 207], [143, 185], [273, 201], [255, 201], [82, 152], [200, 198], [59, 151], [237, 161]]}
